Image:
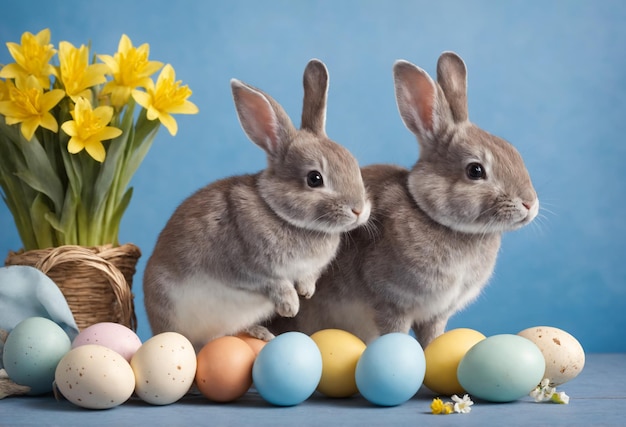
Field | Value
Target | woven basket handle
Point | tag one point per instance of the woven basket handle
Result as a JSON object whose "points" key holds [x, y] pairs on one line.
{"points": [[120, 288]]}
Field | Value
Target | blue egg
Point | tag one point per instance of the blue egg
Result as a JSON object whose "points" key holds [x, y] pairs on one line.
{"points": [[32, 351], [501, 368], [391, 369], [288, 369]]}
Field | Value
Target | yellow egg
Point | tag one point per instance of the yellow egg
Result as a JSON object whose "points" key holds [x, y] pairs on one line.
{"points": [[340, 353], [443, 356]]}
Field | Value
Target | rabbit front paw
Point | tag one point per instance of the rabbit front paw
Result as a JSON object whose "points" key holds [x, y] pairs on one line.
{"points": [[260, 332], [286, 300], [306, 286]]}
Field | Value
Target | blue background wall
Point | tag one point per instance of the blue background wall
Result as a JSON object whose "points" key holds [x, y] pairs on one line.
{"points": [[546, 75]]}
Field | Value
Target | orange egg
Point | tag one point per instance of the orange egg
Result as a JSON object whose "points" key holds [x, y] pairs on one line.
{"points": [[224, 371], [253, 342]]}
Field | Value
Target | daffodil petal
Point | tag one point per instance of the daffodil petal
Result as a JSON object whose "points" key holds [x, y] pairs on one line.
{"points": [[125, 44], [29, 127], [110, 62], [49, 122], [104, 113], [96, 150], [169, 122], [108, 132], [75, 146], [152, 67], [5, 108], [86, 94], [43, 36], [142, 98], [152, 113], [119, 95], [12, 120], [15, 50], [95, 74], [51, 98], [187, 107], [166, 73], [11, 71], [145, 82], [65, 48], [69, 128]]}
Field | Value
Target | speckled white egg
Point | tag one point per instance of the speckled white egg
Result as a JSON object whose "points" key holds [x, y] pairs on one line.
{"points": [[164, 367], [564, 355], [95, 377]]}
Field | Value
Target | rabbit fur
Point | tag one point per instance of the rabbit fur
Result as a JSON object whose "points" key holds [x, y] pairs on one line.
{"points": [[434, 232], [245, 247]]}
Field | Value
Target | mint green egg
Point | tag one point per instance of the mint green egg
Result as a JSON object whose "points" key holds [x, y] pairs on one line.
{"points": [[32, 351], [501, 368]]}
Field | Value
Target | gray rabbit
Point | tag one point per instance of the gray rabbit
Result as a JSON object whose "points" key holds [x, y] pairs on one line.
{"points": [[434, 232], [243, 248]]}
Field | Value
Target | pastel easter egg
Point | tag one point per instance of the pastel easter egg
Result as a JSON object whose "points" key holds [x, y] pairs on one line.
{"points": [[564, 355], [501, 368]]}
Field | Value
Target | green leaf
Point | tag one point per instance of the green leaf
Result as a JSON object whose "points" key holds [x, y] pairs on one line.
{"points": [[115, 219], [106, 184], [145, 132], [39, 173], [65, 222], [38, 212], [16, 194]]}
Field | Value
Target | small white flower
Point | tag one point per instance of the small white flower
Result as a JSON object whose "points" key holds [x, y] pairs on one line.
{"points": [[462, 406], [543, 392], [560, 397]]}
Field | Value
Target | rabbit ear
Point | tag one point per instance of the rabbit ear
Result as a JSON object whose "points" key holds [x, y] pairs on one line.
{"points": [[315, 82], [262, 119], [452, 77], [416, 96]]}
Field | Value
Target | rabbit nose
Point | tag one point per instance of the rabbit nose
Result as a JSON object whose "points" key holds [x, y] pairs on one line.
{"points": [[355, 211], [527, 205]]}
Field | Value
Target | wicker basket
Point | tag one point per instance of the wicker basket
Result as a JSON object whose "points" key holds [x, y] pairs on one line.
{"points": [[96, 281]]}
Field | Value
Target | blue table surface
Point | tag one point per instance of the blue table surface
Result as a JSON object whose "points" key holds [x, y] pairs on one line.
{"points": [[598, 398]]}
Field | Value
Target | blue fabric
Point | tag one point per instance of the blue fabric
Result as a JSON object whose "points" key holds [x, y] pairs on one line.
{"points": [[27, 292]]}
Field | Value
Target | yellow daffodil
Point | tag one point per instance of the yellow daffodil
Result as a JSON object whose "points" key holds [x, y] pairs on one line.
{"points": [[59, 200], [436, 406], [32, 58], [89, 128], [29, 105], [166, 98], [76, 74], [130, 68], [439, 407]]}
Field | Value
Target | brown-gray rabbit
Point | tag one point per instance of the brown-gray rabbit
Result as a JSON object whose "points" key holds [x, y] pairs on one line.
{"points": [[243, 248], [432, 239]]}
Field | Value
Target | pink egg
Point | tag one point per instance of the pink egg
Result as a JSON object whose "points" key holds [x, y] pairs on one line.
{"points": [[114, 336]]}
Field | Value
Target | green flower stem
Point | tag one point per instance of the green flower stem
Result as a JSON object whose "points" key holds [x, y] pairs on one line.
{"points": [[58, 198]]}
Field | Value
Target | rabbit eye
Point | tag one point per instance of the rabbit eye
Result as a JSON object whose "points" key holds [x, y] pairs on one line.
{"points": [[475, 171], [314, 179]]}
